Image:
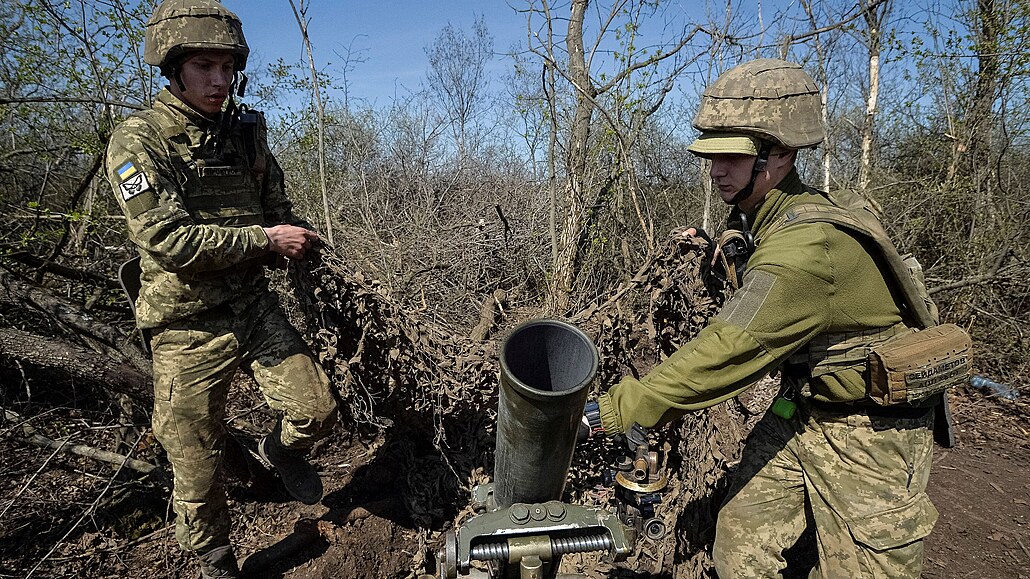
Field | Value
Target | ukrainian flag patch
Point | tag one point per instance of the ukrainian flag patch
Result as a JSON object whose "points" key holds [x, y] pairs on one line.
{"points": [[132, 180], [127, 170]]}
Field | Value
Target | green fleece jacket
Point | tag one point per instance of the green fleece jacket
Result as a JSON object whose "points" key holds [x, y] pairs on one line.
{"points": [[802, 281]]}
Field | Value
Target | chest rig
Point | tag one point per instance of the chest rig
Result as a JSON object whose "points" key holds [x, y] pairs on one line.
{"points": [[912, 363], [221, 170]]}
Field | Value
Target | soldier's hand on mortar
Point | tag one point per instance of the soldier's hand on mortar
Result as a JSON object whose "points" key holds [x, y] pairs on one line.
{"points": [[635, 437], [290, 240]]}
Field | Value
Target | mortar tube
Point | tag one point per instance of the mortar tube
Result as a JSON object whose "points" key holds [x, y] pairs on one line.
{"points": [[546, 369]]}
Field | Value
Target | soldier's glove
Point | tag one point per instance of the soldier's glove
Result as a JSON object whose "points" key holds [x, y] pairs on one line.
{"points": [[635, 437], [591, 422], [698, 232]]}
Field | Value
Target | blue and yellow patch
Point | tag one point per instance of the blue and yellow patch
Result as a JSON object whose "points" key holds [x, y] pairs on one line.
{"points": [[125, 171], [132, 181]]}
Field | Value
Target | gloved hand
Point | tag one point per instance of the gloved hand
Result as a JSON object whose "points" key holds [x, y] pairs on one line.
{"points": [[689, 233], [637, 436]]}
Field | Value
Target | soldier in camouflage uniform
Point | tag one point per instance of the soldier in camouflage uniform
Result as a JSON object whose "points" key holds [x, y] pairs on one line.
{"points": [[205, 206], [812, 297]]}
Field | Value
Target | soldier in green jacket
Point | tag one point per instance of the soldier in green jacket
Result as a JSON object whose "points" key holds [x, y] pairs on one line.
{"points": [[205, 206], [814, 298]]}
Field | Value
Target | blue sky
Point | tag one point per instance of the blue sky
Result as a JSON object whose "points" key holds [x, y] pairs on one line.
{"points": [[388, 34]]}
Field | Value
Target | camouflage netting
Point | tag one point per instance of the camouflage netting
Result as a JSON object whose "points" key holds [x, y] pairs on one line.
{"points": [[418, 381]]}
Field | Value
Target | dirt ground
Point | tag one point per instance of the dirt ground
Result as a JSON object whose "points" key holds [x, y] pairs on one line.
{"points": [[982, 491], [362, 528]]}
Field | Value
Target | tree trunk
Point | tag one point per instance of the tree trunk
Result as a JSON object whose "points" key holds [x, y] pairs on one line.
{"points": [[979, 124], [65, 446], [571, 209], [316, 96], [820, 54], [874, 37], [102, 373], [105, 338]]}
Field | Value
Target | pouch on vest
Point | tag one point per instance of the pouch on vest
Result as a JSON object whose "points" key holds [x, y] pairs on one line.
{"points": [[917, 365]]}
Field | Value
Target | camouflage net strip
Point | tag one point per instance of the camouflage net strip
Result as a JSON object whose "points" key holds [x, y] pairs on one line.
{"points": [[395, 370]]}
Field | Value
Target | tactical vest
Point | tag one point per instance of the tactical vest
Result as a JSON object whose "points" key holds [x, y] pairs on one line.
{"points": [[851, 212], [221, 183], [902, 364]]}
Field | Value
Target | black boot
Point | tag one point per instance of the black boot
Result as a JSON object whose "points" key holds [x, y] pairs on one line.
{"points": [[299, 477], [218, 563]]}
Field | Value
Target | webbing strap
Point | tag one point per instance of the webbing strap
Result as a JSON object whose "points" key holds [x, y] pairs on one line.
{"points": [[852, 212], [829, 352], [173, 132], [864, 222], [729, 264]]}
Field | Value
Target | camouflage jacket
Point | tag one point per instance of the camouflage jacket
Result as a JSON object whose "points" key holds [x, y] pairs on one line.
{"points": [[802, 284], [195, 209]]}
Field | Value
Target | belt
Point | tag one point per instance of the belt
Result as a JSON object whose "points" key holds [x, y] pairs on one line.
{"points": [[871, 409]]}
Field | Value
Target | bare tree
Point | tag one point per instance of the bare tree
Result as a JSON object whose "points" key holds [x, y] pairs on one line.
{"points": [[457, 72], [301, 15], [350, 57], [875, 14], [975, 144], [823, 80], [573, 204]]}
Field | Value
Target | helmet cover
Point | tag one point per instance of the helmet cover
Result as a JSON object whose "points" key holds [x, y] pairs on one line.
{"points": [[181, 26], [768, 98]]}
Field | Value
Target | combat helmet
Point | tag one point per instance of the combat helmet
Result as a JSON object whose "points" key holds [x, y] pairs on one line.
{"points": [[768, 100], [180, 26]]}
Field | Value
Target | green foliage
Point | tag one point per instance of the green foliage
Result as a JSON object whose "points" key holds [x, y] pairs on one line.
{"points": [[284, 83], [63, 65]]}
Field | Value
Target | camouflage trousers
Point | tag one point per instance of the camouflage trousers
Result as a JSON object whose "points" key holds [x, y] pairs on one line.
{"points": [[860, 480], [195, 360]]}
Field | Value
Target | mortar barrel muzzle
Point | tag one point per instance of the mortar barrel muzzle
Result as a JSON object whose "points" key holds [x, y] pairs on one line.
{"points": [[546, 368]]}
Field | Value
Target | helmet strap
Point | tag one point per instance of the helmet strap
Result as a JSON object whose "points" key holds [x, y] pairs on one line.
{"points": [[759, 167], [177, 77]]}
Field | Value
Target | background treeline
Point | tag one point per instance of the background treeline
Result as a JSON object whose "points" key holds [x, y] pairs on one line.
{"points": [[556, 179]]}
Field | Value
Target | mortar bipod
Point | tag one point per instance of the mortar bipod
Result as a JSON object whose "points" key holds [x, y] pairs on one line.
{"points": [[527, 541]]}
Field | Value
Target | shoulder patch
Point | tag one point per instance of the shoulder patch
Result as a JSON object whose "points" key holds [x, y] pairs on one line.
{"points": [[131, 181], [749, 299]]}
